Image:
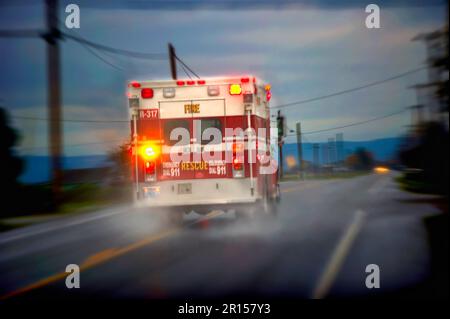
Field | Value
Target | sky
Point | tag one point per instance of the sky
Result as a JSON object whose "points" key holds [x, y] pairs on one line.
{"points": [[303, 50]]}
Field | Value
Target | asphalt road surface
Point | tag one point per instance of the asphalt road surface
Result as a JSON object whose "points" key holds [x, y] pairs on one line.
{"points": [[326, 233]]}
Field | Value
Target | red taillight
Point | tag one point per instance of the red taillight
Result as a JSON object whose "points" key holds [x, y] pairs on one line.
{"points": [[147, 93], [201, 82], [245, 80], [180, 83], [190, 82], [135, 84], [149, 168], [238, 148], [238, 156], [237, 165]]}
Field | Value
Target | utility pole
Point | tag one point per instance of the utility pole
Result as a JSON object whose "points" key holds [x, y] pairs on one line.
{"points": [[172, 61], [280, 127], [52, 37], [299, 149]]}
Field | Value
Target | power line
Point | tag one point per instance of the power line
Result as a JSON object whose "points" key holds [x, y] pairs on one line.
{"points": [[276, 107], [288, 135], [352, 124], [134, 54], [71, 145], [186, 72], [95, 53], [67, 120], [33, 33], [92, 51], [349, 90], [127, 121], [187, 67]]}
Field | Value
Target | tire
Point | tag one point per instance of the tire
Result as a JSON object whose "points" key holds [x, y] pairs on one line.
{"points": [[278, 195], [271, 203], [172, 216], [265, 208], [242, 215], [175, 218]]}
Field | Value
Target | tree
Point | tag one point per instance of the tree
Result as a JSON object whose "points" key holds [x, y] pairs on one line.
{"points": [[361, 159], [11, 166], [442, 64], [122, 163], [429, 156]]}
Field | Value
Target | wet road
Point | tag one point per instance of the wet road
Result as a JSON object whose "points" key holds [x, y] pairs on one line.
{"points": [[325, 235]]}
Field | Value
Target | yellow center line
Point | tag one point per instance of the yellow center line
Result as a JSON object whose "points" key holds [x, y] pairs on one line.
{"points": [[106, 255], [337, 259]]}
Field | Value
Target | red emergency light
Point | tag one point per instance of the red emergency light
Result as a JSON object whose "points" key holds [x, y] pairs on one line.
{"points": [[147, 93], [237, 164], [190, 82], [180, 83], [149, 168], [135, 84]]}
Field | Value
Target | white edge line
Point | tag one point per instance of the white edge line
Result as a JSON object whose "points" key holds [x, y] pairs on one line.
{"points": [[57, 227], [82, 221]]}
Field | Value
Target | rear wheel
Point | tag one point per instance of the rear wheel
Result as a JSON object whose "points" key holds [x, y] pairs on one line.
{"points": [[271, 205], [175, 218], [278, 194], [263, 208]]}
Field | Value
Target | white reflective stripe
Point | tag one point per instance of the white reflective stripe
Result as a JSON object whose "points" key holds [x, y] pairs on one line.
{"points": [[173, 109], [166, 149], [222, 147], [232, 138]]}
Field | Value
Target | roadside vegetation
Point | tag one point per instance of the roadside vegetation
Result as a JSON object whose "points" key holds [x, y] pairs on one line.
{"points": [[359, 163], [425, 157], [83, 190]]}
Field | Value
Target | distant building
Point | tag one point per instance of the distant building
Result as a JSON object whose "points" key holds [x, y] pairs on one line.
{"points": [[331, 151], [316, 154], [340, 147], [325, 157]]}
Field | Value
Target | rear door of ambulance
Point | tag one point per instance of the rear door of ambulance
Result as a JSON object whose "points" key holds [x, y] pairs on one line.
{"points": [[194, 116], [208, 149], [175, 118]]}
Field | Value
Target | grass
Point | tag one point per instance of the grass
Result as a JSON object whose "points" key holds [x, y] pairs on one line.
{"points": [[414, 182], [34, 203], [322, 176]]}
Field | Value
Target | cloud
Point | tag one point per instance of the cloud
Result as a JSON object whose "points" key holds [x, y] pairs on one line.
{"points": [[303, 52]]}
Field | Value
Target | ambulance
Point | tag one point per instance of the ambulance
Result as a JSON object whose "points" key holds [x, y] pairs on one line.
{"points": [[203, 145]]}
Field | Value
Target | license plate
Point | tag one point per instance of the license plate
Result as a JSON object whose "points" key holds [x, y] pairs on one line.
{"points": [[185, 188], [150, 192], [133, 102]]}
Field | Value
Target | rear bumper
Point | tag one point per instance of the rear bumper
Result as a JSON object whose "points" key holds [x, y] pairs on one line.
{"points": [[204, 192]]}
